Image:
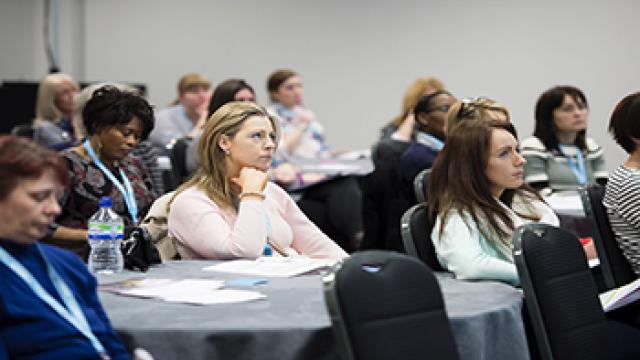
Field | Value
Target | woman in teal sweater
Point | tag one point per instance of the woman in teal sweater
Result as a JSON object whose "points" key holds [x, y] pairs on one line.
{"points": [[477, 197]]}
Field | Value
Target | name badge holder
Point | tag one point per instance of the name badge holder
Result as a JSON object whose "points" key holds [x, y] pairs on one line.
{"points": [[577, 166]]}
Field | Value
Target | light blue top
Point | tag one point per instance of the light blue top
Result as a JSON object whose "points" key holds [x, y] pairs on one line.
{"points": [[470, 256], [170, 124]]}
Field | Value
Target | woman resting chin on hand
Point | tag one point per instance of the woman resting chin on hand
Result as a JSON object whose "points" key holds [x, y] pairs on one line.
{"points": [[228, 209]]}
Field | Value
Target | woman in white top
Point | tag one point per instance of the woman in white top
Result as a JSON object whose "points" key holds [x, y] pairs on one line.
{"points": [[476, 199]]}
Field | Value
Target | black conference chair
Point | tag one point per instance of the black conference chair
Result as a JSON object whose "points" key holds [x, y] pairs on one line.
{"points": [[24, 130], [560, 294], [616, 270], [386, 305], [416, 236], [178, 157], [420, 184]]}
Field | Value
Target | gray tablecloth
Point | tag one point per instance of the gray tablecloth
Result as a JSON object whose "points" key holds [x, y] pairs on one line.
{"points": [[292, 323]]}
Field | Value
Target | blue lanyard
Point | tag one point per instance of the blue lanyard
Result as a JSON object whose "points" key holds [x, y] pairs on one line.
{"points": [[126, 190], [576, 166], [267, 247], [72, 313], [429, 140]]}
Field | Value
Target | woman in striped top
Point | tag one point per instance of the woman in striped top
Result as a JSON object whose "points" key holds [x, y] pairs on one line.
{"points": [[622, 196], [559, 155]]}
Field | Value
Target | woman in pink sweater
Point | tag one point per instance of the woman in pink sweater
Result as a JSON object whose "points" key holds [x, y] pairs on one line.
{"points": [[228, 209]]}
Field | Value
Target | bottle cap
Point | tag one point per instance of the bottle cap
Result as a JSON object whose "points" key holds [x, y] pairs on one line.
{"points": [[105, 201]]}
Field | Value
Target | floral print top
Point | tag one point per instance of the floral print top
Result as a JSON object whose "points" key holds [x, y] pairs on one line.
{"points": [[88, 184]]}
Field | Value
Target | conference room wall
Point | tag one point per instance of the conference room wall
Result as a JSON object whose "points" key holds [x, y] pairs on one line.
{"points": [[356, 57]]}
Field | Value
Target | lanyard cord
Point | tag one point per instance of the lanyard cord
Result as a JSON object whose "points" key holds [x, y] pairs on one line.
{"points": [[577, 165], [271, 244], [72, 313], [126, 190], [429, 140]]}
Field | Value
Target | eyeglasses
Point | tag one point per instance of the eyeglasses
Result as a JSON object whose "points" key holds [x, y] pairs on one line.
{"points": [[443, 108]]}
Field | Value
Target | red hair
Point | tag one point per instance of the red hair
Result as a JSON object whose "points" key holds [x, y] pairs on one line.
{"points": [[21, 158]]}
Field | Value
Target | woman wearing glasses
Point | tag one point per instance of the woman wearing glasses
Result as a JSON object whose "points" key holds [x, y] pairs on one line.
{"points": [[402, 127], [49, 307], [477, 197], [228, 209], [430, 115], [559, 155]]}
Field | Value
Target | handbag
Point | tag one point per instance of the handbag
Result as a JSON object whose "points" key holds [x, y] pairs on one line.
{"points": [[138, 250]]}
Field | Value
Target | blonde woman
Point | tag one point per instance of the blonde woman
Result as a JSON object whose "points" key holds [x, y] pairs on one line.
{"points": [[480, 108], [228, 209], [54, 110]]}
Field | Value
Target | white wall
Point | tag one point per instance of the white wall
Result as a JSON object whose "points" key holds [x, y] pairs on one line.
{"points": [[356, 57]]}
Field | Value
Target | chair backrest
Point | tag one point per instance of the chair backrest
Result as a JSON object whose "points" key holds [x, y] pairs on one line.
{"points": [[387, 305], [616, 270], [178, 156], [416, 236], [24, 130], [560, 294], [420, 185]]}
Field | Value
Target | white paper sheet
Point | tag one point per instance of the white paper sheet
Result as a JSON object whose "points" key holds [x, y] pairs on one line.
{"points": [[619, 297], [272, 266], [566, 203], [191, 291]]}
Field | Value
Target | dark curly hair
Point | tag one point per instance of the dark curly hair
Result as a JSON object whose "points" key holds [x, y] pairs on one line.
{"points": [[109, 107], [22, 159]]}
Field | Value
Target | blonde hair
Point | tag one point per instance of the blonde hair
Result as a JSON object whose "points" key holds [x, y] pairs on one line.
{"points": [[187, 82], [417, 89], [81, 99], [211, 177], [474, 109], [46, 108]]}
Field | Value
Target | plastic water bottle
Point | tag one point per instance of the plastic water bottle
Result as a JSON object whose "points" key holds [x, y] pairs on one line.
{"points": [[105, 232]]}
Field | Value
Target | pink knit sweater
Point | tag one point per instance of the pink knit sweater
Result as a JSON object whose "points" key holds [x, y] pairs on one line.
{"points": [[205, 231]]}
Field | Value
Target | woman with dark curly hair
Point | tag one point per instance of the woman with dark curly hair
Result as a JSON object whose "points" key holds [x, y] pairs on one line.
{"points": [[115, 121]]}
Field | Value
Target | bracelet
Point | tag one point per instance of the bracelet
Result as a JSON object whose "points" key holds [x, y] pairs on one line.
{"points": [[251, 193]]}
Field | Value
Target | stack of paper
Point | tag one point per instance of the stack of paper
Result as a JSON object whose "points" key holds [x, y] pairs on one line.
{"points": [[192, 291], [272, 266], [566, 203], [619, 297]]}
